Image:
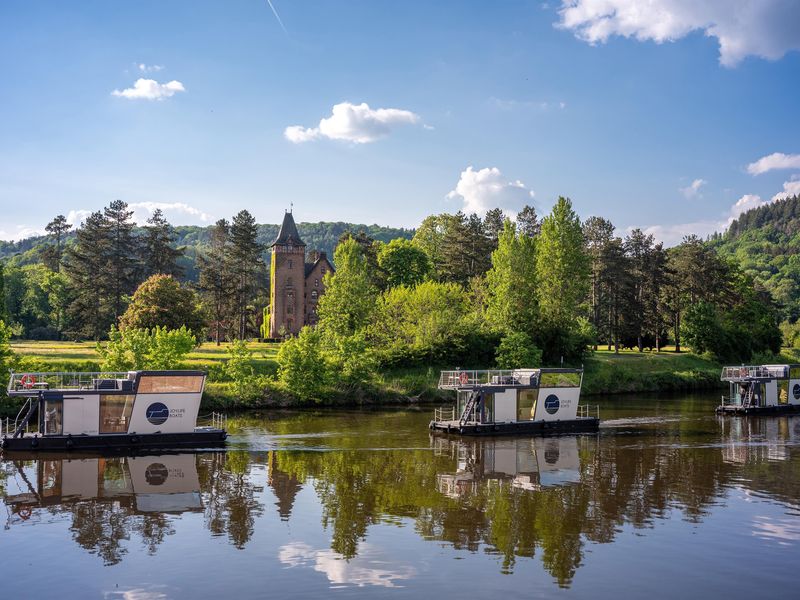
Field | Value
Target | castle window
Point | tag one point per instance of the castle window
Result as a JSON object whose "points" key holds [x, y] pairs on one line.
{"points": [[324, 270], [314, 295], [316, 283], [290, 264], [289, 309]]}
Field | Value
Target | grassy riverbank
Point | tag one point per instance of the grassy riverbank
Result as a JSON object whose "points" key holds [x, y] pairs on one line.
{"points": [[606, 373]]}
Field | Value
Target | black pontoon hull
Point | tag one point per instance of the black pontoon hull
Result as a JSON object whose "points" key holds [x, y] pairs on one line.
{"points": [[151, 441], [758, 410], [581, 425]]}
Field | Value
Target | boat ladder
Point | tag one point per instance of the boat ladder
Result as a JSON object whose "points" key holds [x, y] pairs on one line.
{"points": [[469, 407], [747, 401]]}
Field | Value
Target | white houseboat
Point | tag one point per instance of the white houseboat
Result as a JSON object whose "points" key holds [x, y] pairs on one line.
{"points": [[756, 389], [98, 411], [498, 402], [167, 483]]}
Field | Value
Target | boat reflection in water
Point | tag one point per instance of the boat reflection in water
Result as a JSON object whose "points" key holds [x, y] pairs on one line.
{"points": [[756, 439], [141, 484], [528, 463]]}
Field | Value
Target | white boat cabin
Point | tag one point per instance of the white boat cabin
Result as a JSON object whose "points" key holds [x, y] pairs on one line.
{"points": [[98, 404], [768, 387], [513, 396]]}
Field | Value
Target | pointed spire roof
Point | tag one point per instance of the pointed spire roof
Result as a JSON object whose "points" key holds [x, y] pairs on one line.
{"points": [[288, 233]]}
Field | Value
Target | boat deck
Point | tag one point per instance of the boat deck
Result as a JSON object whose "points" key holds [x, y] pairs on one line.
{"points": [[738, 409], [578, 425]]}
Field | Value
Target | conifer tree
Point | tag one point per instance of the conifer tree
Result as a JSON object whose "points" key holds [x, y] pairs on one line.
{"points": [[120, 277], [528, 222], [246, 267], [159, 256], [86, 266], [52, 254], [216, 282]]}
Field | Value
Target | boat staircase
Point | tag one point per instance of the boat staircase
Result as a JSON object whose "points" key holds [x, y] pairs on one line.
{"points": [[747, 399], [469, 408], [19, 425]]}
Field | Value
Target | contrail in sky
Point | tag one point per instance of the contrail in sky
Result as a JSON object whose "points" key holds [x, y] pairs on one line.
{"points": [[277, 16]]}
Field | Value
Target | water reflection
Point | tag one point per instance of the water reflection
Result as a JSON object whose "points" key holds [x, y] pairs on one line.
{"points": [[336, 479], [109, 500]]}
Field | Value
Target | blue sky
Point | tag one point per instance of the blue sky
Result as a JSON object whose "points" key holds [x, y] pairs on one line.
{"points": [[652, 115]]}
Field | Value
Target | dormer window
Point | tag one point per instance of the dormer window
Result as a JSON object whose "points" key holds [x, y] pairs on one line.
{"points": [[324, 270]]}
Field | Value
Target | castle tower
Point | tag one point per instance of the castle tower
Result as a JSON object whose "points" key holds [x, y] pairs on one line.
{"points": [[287, 281]]}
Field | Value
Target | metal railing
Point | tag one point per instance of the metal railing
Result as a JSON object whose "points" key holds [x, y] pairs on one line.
{"points": [[589, 411], [753, 371], [26, 383], [453, 380], [444, 413]]}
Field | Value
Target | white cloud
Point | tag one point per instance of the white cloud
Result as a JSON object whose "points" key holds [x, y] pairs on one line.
{"points": [[356, 123], [20, 233], [76, 217], [672, 235], [144, 210], [774, 161], [790, 188], [764, 28], [368, 568], [149, 68], [693, 189], [150, 89], [488, 188]]}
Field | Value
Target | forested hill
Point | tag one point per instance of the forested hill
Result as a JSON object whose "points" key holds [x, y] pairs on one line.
{"points": [[321, 236], [766, 243]]}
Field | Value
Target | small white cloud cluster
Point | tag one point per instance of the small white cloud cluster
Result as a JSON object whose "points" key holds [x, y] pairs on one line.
{"points": [[488, 188], [764, 28], [673, 234], [693, 189], [150, 89], [149, 68], [357, 123]]}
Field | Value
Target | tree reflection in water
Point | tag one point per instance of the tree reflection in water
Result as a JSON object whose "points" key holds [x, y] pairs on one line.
{"points": [[501, 495], [543, 498]]}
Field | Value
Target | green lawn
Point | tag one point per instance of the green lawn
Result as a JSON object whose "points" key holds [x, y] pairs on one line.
{"points": [[605, 372]]}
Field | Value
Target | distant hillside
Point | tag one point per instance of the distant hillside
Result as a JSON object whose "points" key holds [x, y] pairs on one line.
{"points": [[766, 242], [317, 236]]}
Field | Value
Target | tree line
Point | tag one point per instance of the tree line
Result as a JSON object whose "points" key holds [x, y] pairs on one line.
{"points": [[114, 274], [476, 292]]}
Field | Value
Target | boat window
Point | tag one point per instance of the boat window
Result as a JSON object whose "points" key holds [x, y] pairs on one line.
{"points": [[161, 384], [783, 391], [115, 413], [53, 417], [551, 380], [526, 404]]}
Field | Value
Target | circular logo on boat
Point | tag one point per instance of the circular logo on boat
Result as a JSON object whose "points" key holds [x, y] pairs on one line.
{"points": [[796, 391], [157, 413], [156, 474], [551, 404]]}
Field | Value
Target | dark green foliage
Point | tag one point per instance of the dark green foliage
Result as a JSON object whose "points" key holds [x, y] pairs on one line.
{"points": [[247, 270], [517, 351], [765, 241], [216, 281], [159, 254], [160, 301]]}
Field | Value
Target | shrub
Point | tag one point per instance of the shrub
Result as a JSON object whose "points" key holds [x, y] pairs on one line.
{"points": [[517, 350], [302, 367], [133, 349]]}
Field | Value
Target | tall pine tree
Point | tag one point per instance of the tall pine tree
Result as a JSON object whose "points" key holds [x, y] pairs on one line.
{"points": [[159, 256], [246, 267], [216, 282]]}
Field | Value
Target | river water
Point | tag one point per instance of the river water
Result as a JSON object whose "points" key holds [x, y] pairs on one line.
{"points": [[667, 501]]}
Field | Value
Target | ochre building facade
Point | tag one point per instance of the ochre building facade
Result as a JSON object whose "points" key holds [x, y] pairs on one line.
{"points": [[296, 284]]}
